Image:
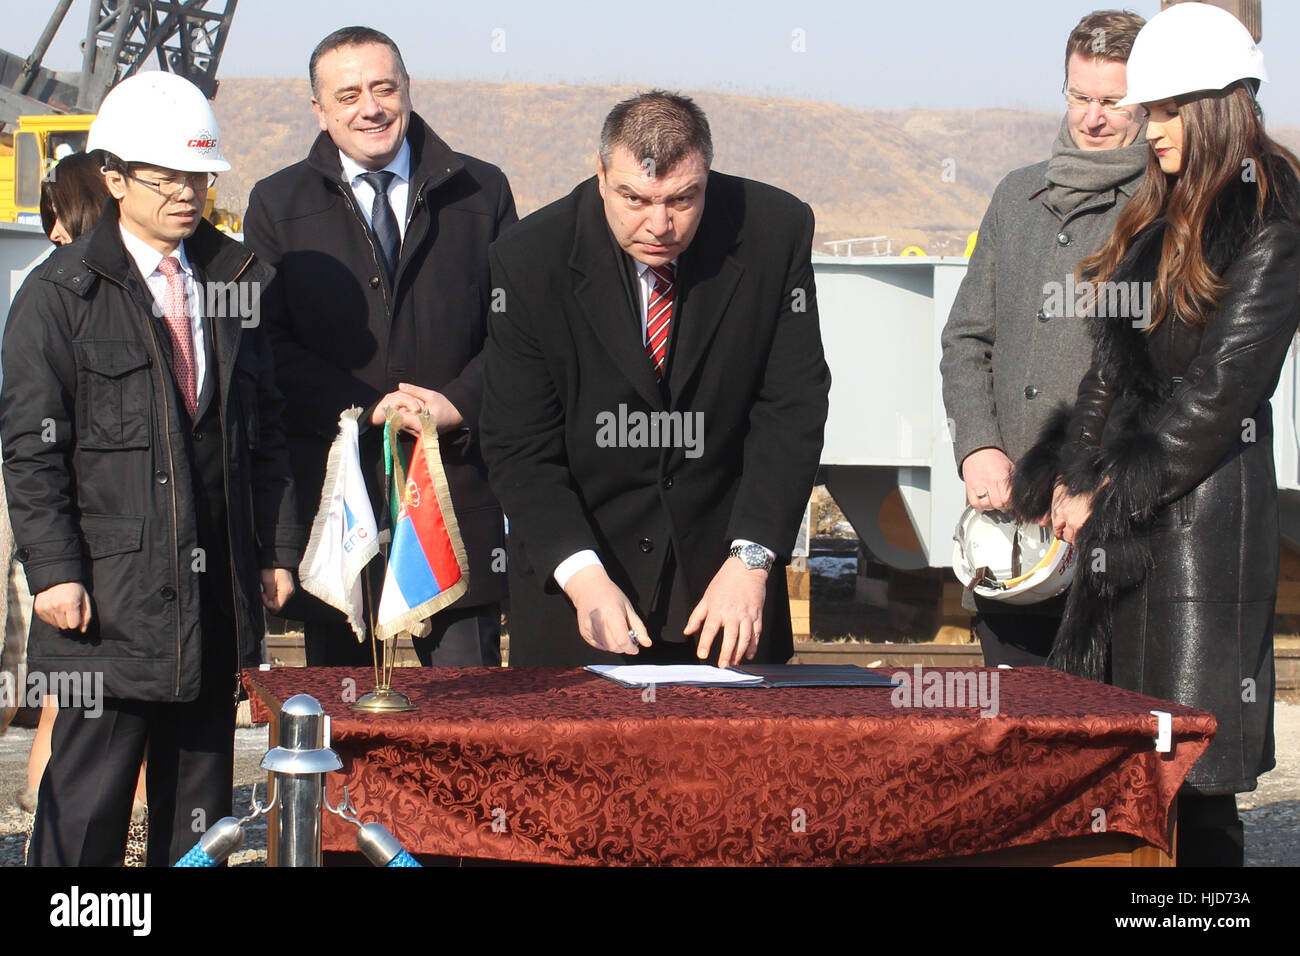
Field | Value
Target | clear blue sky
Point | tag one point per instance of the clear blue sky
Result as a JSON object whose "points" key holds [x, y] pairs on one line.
{"points": [[891, 54]]}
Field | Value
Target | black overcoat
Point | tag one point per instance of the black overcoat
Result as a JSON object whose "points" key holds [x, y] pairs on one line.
{"points": [[343, 336], [565, 354]]}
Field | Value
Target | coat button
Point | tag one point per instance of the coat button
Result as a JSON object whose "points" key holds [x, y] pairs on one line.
{"points": [[198, 436], [646, 545], [23, 554], [1030, 391], [160, 477], [167, 592], [1063, 239], [374, 282], [1043, 315], [668, 481]]}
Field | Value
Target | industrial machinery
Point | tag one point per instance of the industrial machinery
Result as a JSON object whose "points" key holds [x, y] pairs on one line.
{"points": [[46, 114]]}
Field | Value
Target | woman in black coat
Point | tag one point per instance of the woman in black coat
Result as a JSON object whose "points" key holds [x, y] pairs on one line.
{"points": [[1162, 474]]}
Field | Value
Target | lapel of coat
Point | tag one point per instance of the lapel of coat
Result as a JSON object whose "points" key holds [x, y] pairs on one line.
{"points": [[1123, 348], [432, 163], [601, 291], [106, 255], [708, 276], [226, 333], [221, 260]]}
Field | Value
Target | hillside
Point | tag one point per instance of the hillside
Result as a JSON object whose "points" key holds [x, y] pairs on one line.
{"points": [[917, 176]]}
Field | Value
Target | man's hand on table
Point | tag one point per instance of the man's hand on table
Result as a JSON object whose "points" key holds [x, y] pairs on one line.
{"points": [[606, 618], [733, 604]]}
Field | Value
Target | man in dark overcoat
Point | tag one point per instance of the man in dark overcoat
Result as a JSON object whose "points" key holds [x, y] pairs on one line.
{"points": [[379, 238], [656, 395]]}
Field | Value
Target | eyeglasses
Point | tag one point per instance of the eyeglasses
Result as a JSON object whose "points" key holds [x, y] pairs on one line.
{"points": [[1110, 107], [169, 187]]}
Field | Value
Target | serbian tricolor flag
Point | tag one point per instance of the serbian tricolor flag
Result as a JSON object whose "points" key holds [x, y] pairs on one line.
{"points": [[344, 536], [427, 569]]}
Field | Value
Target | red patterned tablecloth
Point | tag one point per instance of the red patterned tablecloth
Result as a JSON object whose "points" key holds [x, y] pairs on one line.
{"points": [[549, 765]]}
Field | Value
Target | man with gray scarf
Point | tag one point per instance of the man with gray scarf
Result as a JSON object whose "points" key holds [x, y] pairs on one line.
{"points": [[1016, 345]]}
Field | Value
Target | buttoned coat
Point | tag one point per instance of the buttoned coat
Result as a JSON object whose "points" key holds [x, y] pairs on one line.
{"points": [[1012, 349], [343, 335], [566, 352]]}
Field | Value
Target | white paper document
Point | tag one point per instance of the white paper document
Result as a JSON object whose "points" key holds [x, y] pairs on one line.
{"points": [[662, 675]]}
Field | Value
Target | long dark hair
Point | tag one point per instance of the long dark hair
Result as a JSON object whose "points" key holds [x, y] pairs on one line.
{"points": [[1224, 148], [74, 194]]}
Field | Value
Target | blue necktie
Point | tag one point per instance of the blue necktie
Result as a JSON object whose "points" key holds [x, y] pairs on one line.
{"points": [[382, 219]]}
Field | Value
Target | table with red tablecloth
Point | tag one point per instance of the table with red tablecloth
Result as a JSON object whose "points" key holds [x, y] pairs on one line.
{"points": [[552, 765]]}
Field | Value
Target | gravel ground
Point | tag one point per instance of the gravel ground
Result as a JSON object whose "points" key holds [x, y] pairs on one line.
{"points": [[1271, 814], [15, 825]]}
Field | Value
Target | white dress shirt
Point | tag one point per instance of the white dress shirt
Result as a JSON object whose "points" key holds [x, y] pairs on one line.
{"points": [[399, 188], [146, 259], [574, 563]]}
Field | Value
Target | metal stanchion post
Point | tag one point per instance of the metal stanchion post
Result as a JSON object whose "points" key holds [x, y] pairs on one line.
{"points": [[300, 764]]}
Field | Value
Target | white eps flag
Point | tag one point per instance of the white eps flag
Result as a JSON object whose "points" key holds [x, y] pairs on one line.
{"points": [[344, 536]]}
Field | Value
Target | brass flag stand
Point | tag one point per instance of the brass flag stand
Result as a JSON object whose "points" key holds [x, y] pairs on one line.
{"points": [[383, 699], [430, 486]]}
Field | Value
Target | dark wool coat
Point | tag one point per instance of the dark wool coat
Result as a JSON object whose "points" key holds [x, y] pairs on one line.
{"points": [[1179, 560], [745, 358], [342, 335]]}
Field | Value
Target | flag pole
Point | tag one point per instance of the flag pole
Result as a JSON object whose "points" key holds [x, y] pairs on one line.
{"points": [[383, 699], [370, 607]]}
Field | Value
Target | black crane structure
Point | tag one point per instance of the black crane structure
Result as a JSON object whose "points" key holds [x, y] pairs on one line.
{"points": [[122, 37]]}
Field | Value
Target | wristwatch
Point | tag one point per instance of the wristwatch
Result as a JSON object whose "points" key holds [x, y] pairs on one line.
{"points": [[755, 557]]}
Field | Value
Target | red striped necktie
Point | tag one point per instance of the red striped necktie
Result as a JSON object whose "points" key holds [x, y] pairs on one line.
{"points": [[659, 317]]}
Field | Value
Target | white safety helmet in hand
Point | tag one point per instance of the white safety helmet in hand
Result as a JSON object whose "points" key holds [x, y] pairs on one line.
{"points": [[160, 119], [1001, 559], [1187, 48]]}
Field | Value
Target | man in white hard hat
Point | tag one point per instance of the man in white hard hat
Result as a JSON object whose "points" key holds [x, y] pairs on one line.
{"points": [[1015, 347], [148, 485]]}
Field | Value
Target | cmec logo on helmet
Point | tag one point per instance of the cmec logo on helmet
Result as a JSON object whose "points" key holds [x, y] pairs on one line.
{"points": [[204, 141]]}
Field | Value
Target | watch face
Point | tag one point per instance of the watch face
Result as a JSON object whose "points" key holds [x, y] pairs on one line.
{"points": [[753, 556]]}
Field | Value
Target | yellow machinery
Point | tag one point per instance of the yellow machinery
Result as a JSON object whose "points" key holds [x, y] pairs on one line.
{"points": [[38, 144], [46, 114]]}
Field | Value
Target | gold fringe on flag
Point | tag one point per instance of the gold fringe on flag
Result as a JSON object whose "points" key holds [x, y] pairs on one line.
{"points": [[410, 622]]}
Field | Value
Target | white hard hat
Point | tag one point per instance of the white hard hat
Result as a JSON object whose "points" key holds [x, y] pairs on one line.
{"points": [[1003, 560], [161, 119], [1187, 48]]}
